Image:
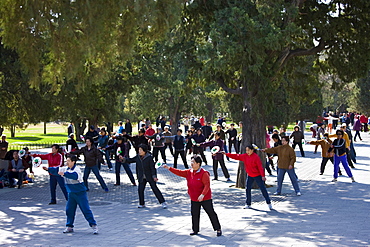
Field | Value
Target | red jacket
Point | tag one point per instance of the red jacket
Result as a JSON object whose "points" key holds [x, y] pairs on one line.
{"points": [[198, 182], [252, 163], [54, 160]]}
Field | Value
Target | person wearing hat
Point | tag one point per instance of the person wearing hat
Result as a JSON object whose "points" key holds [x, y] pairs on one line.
{"points": [[199, 190], [158, 144]]}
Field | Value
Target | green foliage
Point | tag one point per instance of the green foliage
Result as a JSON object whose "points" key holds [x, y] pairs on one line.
{"points": [[361, 96], [78, 40]]}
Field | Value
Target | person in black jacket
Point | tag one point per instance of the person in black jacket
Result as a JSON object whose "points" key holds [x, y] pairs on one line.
{"points": [[139, 139], [233, 133], [93, 134], [121, 151], [179, 144], [92, 156], [146, 173], [207, 130], [297, 136], [340, 156], [128, 127]]}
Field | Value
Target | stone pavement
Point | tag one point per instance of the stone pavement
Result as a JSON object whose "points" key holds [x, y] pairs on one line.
{"points": [[327, 213]]}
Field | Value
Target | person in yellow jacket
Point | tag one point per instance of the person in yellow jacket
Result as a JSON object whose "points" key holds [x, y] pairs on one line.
{"points": [[325, 144], [346, 137]]}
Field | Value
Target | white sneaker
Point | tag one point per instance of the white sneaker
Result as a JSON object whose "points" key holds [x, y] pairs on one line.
{"points": [[164, 205], [68, 230], [299, 194], [276, 193], [334, 180], [95, 229], [110, 169], [141, 206], [247, 207], [270, 206]]}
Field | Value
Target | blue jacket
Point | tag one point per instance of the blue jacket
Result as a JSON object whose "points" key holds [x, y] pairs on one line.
{"points": [[72, 176]]}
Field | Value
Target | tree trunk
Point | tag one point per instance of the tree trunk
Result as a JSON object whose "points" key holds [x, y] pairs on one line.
{"points": [[254, 130], [209, 116], [80, 126], [44, 128], [175, 115], [12, 130]]}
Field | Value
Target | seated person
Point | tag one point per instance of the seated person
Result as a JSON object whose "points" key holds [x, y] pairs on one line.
{"points": [[16, 169]]}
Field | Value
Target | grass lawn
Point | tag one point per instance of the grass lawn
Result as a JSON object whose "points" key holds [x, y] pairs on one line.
{"points": [[56, 133]]}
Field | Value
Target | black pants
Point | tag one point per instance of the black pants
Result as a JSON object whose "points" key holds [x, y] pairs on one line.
{"points": [[199, 150], [155, 190], [19, 175], [357, 134], [208, 207], [182, 154], [223, 167], [349, 160], [155, 153], [235, 144], [169, 145], [323, 163], [300, 147]]}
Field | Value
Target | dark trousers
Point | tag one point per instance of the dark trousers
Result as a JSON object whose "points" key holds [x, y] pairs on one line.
{"points": [[19, 175], [155, 190], [233, 143], [323, 163], [357, 134], [53, 181], [349, 160], [300, 147], [268, 167], [260, 184], [168, 145], [208, 207], [182, 154], [200, 151], [223, 167], [95, 170], [155, 153], [80, 199], [126, 166]]}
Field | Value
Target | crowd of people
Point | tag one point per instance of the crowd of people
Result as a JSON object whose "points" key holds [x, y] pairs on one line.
{"points": [[101, 146]]}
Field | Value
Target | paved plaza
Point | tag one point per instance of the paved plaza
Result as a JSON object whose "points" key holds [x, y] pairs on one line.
{"points": [[327, 213]]}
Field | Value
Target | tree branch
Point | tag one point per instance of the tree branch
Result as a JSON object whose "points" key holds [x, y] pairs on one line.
{"points": [[222, 84], [306, 52]]}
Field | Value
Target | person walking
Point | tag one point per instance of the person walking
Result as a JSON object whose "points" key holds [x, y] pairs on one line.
{"points": [[357, 127], [55, 159], [286, 160], [255, 173], [76, 194], [92, 156], [146, 173], [199, 190], [340, 156]]}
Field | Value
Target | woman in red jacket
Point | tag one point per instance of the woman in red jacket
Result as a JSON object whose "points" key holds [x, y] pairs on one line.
{"points": [[200, 193], [254, 169]]}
